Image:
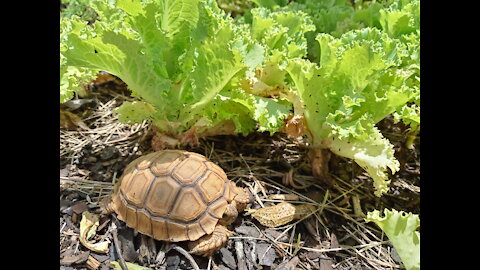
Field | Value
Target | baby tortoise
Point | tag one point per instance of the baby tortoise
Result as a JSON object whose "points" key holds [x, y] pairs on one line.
{"points": [[175, 195]]}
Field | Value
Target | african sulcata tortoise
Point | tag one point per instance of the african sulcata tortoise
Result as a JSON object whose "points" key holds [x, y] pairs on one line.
{"points": [[175, 195]]}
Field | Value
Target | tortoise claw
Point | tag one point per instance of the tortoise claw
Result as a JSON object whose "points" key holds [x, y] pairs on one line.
{"points": [[209, 244]]}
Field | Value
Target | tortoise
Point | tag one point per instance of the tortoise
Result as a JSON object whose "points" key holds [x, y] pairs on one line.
{"points": [[176, 195]]}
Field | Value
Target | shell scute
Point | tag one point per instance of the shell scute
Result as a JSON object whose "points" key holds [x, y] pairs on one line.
{"points": [[191, 206], [211, 186], [165, 162], [189, 170], [162, 196], [138, 187]]}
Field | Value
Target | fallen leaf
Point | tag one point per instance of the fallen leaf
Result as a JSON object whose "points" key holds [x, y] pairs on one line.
{"points": [[240, 252], [125, 237], [131, 266], [71, 121], [266, 254], [326, 264], [333, 241], [284, 197], [289, 265], [64, 204], [221, 267], [75, 259], [88, 229], [103, 77], [227, 258], [79, 207], [247, 230], [276, 235], [294, 126], [99, 257], [92, 263]]}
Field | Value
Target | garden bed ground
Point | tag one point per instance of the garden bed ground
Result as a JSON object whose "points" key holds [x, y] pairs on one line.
{"points": [[335, 237]]}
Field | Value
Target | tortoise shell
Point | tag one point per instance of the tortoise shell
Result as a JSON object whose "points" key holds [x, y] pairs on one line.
{"points": [[172, 195]]}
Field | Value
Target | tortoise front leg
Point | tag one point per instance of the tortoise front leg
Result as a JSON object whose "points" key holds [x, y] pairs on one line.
{"points": [[230, 214], [208, 244]]}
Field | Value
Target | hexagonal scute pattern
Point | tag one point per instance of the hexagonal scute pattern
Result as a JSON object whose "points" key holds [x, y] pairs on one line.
{"points": [[217, 169], [196, 156], [211, 186], [137, 190], [176, 232], [156, 195], [194, 231], [165, 162], [162, 195], [189, 170], [189, 205], [217, 208], [125, 180], [208, 223]]}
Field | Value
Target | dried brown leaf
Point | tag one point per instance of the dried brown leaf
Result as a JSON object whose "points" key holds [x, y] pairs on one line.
{"points": [[88, 229], [75, 259], [285, 197], [294, 126], [289, 265], [227, 258], [265, 254], [71, 121]]}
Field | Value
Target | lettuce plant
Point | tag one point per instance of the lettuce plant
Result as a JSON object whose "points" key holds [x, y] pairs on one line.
{"points": [[360, 78], [182, 59], [194, 69]]}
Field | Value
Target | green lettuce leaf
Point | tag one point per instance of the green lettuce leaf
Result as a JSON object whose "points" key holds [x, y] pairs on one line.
{"points": [[246, 109], [401, 230], [72, 79]]}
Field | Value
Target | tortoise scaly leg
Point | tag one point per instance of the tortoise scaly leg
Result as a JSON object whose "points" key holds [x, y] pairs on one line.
{"points": [[208, 244], [106, 206], [147, 250]]}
